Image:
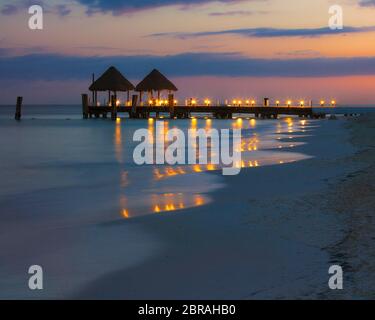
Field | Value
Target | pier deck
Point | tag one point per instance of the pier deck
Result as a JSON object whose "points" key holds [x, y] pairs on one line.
{"points": [[219, 112]]}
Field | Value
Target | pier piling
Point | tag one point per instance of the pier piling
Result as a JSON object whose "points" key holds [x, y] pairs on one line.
{"points": [[18, 108], [113, 108], [171, 106], [134, 106]]}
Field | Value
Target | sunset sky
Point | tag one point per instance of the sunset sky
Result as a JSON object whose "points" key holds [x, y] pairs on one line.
{"points": [[219, 49]]}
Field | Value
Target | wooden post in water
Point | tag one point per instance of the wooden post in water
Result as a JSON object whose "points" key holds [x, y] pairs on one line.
{"points": [[93, 93], [85, 106], [18, 108], [133, 112], [171, 105], [113, 108]]}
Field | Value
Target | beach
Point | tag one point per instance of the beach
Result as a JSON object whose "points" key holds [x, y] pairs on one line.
{"points": [[272, 232], [354, 199], [263, 242]]}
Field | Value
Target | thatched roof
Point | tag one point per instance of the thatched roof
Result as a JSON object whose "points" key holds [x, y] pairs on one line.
{"points": [[112, 80], [155, 81]]}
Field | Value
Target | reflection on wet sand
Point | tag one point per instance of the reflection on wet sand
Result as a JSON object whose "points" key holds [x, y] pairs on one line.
{"points": [[256, 151], [167, 202]]}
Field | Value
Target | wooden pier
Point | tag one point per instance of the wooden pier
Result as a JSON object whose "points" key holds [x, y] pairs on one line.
{"points": [[186, 112], [218, 112]]}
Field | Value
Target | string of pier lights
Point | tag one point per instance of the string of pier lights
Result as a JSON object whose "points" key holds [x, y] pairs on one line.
{"points": [[236, 103], [288, 103], [161, 103], [252, 103]]}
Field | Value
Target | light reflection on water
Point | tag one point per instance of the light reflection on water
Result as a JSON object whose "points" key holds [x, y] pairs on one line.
{"points": [[166, 203], [262, 145]]}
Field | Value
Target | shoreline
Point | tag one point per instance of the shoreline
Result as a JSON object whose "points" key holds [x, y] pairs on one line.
{"points": [[264, 243]]}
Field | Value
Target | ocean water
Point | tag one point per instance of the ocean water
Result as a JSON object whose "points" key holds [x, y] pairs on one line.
{"points": [[53, 162]]}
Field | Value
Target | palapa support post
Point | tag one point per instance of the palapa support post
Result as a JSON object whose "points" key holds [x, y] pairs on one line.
{"points": [[85, 106], [18, 108], [133, 112], [113, 108], [93, 92], [171, 105], [266, 102]]}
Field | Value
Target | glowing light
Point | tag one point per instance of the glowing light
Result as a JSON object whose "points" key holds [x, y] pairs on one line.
{"points": [[199, 201], [125, 214], [197, 168], [302, 103], [211, 167], [181, 171], [277, 102], [207, 102], [333, 102], [157, 174], [322, 103], [208, 124], [253, 103], [171, 172], [118, 120], [193, 102], [150, 102], [194, 123], [289, 121], [289, 103], [170, 207], [118, 103]]}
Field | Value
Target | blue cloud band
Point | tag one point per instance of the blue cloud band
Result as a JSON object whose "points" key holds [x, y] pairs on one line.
{"points": [[271, 32], [58, 67]]}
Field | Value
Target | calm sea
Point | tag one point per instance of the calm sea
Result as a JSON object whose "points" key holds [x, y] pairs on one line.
{"points": [[53, 155]]}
